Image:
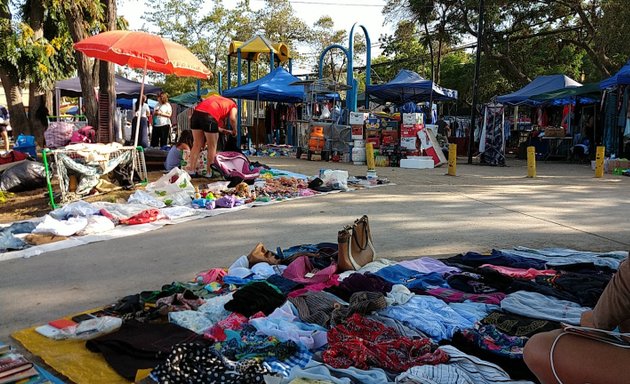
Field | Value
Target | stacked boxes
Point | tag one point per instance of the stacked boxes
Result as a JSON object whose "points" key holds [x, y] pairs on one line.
{"points": [[373, 132], [412, 124], [357, 121]]}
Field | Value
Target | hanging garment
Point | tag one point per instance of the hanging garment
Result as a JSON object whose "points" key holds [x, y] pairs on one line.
{"points": [[492, 140]]}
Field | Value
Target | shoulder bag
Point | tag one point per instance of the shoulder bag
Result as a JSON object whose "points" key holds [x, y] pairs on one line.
{"points": [[355, 245]]}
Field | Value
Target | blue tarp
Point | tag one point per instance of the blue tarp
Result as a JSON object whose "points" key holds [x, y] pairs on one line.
{"points": [[124, 87], [189, 99], [541, 84], [620, 78], [272, 87], [409, 86]]}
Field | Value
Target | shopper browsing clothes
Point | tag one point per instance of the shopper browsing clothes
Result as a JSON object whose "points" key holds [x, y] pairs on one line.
{"points": [[143, 113], [161, 122], [210, 118], [561, 357]]}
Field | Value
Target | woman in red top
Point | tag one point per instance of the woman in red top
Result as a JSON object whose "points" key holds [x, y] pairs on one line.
{"points": [[210, 118]]}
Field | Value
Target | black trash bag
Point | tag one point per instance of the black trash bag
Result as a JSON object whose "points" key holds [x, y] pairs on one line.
{"points": [[25, 176]]}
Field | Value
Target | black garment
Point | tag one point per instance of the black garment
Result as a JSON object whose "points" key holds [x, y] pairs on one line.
{"points": [[588, 287], [516, 325], [469, 282], [194, 363], [516, 368], [283, 284], [358, 282], [159, 135], [136, 346], [255, 297], [203, 121]]}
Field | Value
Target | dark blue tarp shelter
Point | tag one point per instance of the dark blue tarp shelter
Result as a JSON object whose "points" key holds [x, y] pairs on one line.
{"points": [[541, 84], [124, 87], [620, 78], [273, 87], [409, 86]]}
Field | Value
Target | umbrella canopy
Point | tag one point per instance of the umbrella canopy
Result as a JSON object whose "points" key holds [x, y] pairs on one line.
{"points": [[143, 50], [620, 78], [124, 87], [189, 99], [275, 86], [409, 86], [541, 84]]}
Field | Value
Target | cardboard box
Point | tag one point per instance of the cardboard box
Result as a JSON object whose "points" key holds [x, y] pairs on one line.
{"points": [[410, 130], [373, 123], [371, 132], [389, 137], [412, 118], [376, 141], [408, 143], [357, 118], [357, 131]]}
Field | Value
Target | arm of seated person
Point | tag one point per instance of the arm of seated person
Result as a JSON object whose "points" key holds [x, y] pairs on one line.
{"points": [[613, 307]]}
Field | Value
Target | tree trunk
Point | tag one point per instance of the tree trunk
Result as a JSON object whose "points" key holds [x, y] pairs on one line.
{"points": [[15, 105], [87, 73], [107, 80], [37, 96]]}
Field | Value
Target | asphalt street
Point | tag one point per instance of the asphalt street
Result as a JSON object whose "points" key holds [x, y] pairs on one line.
{"points": [[425, 213]]}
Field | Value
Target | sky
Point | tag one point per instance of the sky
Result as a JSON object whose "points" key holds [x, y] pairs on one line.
{"points": [[343, 12]]}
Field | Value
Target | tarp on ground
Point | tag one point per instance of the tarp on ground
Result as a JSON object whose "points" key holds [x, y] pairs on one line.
{"points": [[409, 86], [620, 78], [124, 87], [273, 87], [586, 94], [541, 84]]}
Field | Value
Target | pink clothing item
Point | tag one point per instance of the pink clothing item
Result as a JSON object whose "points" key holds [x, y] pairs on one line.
{"points": [[234, 322], [334, 281], [520, 273], [449, 295], [211, 276], [302, 271]]}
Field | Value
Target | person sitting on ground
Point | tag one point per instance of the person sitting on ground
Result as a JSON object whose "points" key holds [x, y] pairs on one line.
{"points": [[559, 357], [175, 154]]}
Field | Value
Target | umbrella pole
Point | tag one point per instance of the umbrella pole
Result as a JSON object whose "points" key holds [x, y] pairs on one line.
{"points": [[144, 75], [135, 140]]}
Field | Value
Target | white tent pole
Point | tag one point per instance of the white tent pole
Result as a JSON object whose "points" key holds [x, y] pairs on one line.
{"points": [[139, 109]]}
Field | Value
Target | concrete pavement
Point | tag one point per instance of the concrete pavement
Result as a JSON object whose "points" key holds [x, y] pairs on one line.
{"points": [[425, 214]]}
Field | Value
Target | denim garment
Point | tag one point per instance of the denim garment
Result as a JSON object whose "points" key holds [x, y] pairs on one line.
{"points": [[564, 256], [429, 315], [461, 369], [502, 258], [397, 274], [539, 306], [473, 312]]}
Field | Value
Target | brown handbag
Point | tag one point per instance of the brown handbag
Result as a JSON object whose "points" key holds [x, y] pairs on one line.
{"points": [[355, 245]]}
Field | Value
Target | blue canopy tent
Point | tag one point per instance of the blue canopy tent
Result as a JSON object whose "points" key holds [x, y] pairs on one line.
{"points": [[620, 78], [409, 86], [541, 84], [273, 87]]}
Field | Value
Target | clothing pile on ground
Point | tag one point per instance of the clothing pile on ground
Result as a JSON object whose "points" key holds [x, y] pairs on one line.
{"points": [[292, 316]]}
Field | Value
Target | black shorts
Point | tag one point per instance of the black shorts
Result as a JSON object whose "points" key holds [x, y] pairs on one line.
{"points": [[204, 122]]}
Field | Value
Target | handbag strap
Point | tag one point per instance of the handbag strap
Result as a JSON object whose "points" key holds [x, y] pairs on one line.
{"points": [[366, 231]]}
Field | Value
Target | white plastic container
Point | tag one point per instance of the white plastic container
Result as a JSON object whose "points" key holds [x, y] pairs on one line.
{"points": [[359, 143], [358, 155], [417, 162]]}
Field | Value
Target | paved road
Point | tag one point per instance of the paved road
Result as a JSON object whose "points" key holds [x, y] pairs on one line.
{"points": [[425, 214]]}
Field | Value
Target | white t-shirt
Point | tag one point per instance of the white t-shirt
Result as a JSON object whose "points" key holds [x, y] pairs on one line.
{"points": [[144, 110], [162, 120]]}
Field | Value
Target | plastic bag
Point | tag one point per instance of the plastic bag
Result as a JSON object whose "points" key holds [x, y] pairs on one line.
{"points": [[217, 186], [335, 179], [76, 208], [61, 227], [174, 188], [143, 197], [22, 177]]}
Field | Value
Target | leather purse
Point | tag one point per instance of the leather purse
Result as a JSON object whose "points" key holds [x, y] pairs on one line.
{"points": [[355, 245]]}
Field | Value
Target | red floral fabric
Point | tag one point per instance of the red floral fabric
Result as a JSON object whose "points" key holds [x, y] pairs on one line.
{"points": [[365, 343]]}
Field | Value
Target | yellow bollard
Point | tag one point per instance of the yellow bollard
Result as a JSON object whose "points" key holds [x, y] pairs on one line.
{"points": [[369, 156], [452, 160], [531, 161], [599, 161]]}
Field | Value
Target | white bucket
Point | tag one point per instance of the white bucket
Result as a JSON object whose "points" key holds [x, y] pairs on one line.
{"points": [[359, 143], [358, 155]]}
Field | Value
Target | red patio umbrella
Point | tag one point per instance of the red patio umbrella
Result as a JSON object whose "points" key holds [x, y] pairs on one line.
{"points": [[143, 50]]}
